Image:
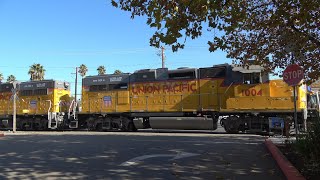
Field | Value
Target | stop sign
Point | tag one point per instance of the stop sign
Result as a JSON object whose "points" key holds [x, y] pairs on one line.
{"points": [[293, 74]]}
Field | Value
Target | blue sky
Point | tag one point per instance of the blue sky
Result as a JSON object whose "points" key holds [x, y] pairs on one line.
{"points": [[62, 34]]}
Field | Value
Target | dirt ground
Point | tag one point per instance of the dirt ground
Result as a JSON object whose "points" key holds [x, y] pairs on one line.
{"points": [[297, 161]]}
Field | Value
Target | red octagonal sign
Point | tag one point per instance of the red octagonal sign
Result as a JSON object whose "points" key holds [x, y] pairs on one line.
{"points": [[293, 74]]}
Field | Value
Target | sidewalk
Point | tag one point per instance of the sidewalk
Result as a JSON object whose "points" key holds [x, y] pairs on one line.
{"points": [[281, 140]]}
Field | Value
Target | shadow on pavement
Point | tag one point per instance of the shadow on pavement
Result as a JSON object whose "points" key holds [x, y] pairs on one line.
{"points": [[99, 157]]}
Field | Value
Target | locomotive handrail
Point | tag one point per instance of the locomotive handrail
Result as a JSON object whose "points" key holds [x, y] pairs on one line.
{"points": [[8, 106], [50, 104], [116, 102], [146, 103], [75, 109], [182, 101], [318, 102], [228, 88], [69, 111], [59, 105]]}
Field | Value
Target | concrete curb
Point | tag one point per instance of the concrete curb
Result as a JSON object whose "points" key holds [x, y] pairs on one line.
{"points": [[287, 168]]}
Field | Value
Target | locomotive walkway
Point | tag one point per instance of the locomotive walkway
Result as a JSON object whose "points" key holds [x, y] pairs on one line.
{"points": [[147, 155]]}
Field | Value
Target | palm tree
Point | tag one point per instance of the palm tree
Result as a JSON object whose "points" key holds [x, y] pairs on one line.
{"points": [[117, 72], [83, 70], [11, 79], [101, 70], [1, 77], [36, 72]]}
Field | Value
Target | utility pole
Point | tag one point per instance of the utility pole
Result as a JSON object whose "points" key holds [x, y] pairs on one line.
{"points": [[162, 56], [75, 87], [14, 95]]}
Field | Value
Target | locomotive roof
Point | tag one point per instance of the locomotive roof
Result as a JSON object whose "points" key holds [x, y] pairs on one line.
{"points": [[29, 85], [248, 69], [106, 79], [182, 70]]}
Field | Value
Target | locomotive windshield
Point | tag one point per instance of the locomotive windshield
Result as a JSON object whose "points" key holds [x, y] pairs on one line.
{"points": [[312, 101], [6, 87], [213, 72], [35, 92]]}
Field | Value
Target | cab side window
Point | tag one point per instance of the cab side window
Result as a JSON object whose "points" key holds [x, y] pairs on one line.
{"points": [[251, 78]]}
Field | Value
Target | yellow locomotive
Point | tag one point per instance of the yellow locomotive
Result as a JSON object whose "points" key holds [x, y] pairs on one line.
{"points": [[244, 98], [40, 105]]}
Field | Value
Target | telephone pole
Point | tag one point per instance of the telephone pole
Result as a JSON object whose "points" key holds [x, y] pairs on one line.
{"points": [[162, 56], [75, 87], [14, 95]]}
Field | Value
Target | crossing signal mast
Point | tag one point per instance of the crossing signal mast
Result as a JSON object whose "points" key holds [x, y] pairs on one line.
{"points": [[162, 55], [14, 98]]}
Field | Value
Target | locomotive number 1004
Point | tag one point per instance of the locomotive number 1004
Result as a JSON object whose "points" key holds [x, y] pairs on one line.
{"points": [[251, 92]]}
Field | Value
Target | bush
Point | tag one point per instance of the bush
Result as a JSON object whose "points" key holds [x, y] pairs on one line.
{"points": [[308, 146]]}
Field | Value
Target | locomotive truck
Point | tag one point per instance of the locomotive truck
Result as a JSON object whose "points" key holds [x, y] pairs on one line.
{"points": [[245, 99]]}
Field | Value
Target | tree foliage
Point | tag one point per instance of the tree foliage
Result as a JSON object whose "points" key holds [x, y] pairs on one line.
{"points": [[117, 72], [101, 70], [1, 77], [274, 33], [83, 70], [11, 78], [36, 72]]}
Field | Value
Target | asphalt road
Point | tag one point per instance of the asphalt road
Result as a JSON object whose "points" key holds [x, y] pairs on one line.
{"points": [[147, 155]]}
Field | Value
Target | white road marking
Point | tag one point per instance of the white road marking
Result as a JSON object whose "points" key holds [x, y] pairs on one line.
{"points": [[181, 155], [139, 159], [208, 142]]}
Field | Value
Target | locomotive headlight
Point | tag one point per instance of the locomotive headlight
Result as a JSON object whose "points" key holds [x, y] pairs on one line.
{"points": [[66, 85]]}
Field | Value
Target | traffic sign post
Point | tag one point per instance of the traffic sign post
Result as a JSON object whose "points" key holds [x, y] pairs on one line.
{"points": [[293, 75]]}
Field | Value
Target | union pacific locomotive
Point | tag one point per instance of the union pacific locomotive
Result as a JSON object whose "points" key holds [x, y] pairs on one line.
{"points": [[40, 105], [243, 98]]}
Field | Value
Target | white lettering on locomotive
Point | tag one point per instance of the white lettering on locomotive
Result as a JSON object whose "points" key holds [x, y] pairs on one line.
{"points": [[41, 85], [113, 79]]}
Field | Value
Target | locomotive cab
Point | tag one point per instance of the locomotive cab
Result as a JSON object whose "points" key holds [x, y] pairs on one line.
{"points": [[313, 105], [43, 104], [253, 74], [5, 105]]}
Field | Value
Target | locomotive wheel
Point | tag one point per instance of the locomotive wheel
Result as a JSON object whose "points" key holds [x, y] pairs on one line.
{"points": [[231, 125], [90, 124], [131, 127], [99, 127], [222, 122]]}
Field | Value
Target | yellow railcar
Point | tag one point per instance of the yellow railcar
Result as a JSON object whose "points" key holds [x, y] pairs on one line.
{"points": [[5, 99], [243, 98], [40, 105]]}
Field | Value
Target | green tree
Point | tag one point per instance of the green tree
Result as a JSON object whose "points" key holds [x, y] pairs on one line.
{"points": [[273, 33], [83, 70], [1, 77], [117, 72], [11, 79], [101, 70], [36, 72]]}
